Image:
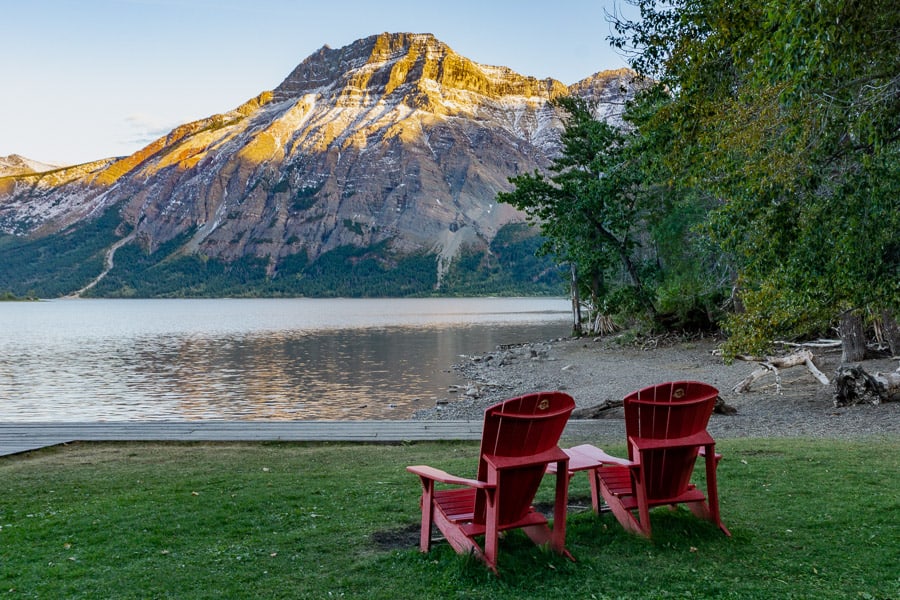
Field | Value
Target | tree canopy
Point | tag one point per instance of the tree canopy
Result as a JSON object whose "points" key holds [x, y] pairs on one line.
{"points": [[771, 142], [609, 208]]}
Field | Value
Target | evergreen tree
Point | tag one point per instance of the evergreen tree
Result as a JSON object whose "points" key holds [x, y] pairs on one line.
{"points": [[610, 208]]}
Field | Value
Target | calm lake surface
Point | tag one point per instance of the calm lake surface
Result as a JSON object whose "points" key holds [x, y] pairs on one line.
{"points": [[270, 359]]}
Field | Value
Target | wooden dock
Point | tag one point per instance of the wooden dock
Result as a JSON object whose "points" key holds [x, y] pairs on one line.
{"points": [[16, 438]]}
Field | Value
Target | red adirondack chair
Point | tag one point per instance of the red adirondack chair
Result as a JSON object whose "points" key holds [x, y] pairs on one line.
{"points": [[666, 429], [519, 440]]}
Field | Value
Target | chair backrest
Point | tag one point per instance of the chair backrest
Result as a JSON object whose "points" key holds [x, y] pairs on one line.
{"points": [[520, 427], [666, 411]]}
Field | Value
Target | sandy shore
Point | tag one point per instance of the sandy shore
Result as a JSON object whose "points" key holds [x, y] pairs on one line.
{"points": [[597, 371]]}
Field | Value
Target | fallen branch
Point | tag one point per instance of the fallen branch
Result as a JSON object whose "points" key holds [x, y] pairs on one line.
{"points": [[816, 344], [598, 411], [853, 385], [772, 364]]}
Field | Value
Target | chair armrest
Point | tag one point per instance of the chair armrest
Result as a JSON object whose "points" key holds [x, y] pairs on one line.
{"points": [[589, 456], [698, 439], [716, 455], [512, 462], [433, 474]]}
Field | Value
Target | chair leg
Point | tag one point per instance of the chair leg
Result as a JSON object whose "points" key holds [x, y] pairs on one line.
{"points": [[712, 489], [459, 540], [427, 514], [700, 510], [560, 509], [594, 477], [640, 492], [624, 516], [491, 533], [556, 537]]}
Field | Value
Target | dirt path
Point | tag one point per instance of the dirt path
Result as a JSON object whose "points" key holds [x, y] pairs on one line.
{"points": [[109, 264]]}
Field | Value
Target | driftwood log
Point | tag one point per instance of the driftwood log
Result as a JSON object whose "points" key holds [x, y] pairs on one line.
{"points": [[853, 385], [598, 411], [774, 364]]}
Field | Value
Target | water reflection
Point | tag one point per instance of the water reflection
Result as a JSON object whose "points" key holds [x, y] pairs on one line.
{"points": [[215, 359]]}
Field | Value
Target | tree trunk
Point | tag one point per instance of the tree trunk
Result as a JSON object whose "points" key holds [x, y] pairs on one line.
{"points": [[891, 331], [737, 300], [621, 247], [853, 338], [596, 282], [853, 385], [576, 302]]}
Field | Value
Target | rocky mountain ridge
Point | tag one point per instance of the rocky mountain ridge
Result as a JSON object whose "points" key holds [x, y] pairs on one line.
{"points": [[15, 164], [393, 142]]}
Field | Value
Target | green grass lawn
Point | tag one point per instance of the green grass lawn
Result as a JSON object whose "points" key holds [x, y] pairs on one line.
{"points": [[810, 519]]}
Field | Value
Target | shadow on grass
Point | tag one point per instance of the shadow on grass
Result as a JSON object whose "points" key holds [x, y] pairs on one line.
{"points": [[404, 538]]}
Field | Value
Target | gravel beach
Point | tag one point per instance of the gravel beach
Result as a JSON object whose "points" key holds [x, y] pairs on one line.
{"points": [[595, 371]]}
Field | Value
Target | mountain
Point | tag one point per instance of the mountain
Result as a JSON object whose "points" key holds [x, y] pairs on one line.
{"points": [[371, 169], [19, 165]]}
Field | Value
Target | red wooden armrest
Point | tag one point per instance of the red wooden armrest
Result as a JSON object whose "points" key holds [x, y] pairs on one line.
{"points": [[433, 474], [511, 462], [698, 439]]}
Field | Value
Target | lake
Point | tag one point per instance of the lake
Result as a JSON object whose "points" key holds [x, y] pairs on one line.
{"points": [[269, 359]]}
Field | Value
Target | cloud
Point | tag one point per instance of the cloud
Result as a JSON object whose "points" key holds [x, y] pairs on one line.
{"points": [[143, 128]]}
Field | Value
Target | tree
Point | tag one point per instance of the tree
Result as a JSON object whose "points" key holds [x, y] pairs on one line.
{"points": [[611, 208], [787, 117], [587, 210]]}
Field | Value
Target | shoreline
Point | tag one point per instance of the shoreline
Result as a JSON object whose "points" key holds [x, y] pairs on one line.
{"points": [[599, 370]]}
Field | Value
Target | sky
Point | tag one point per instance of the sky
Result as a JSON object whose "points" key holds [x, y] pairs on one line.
{"points": [[89, 79]]}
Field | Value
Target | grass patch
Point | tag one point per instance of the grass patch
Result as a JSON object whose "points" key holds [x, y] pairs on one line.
{"points": [[811, 519]]}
